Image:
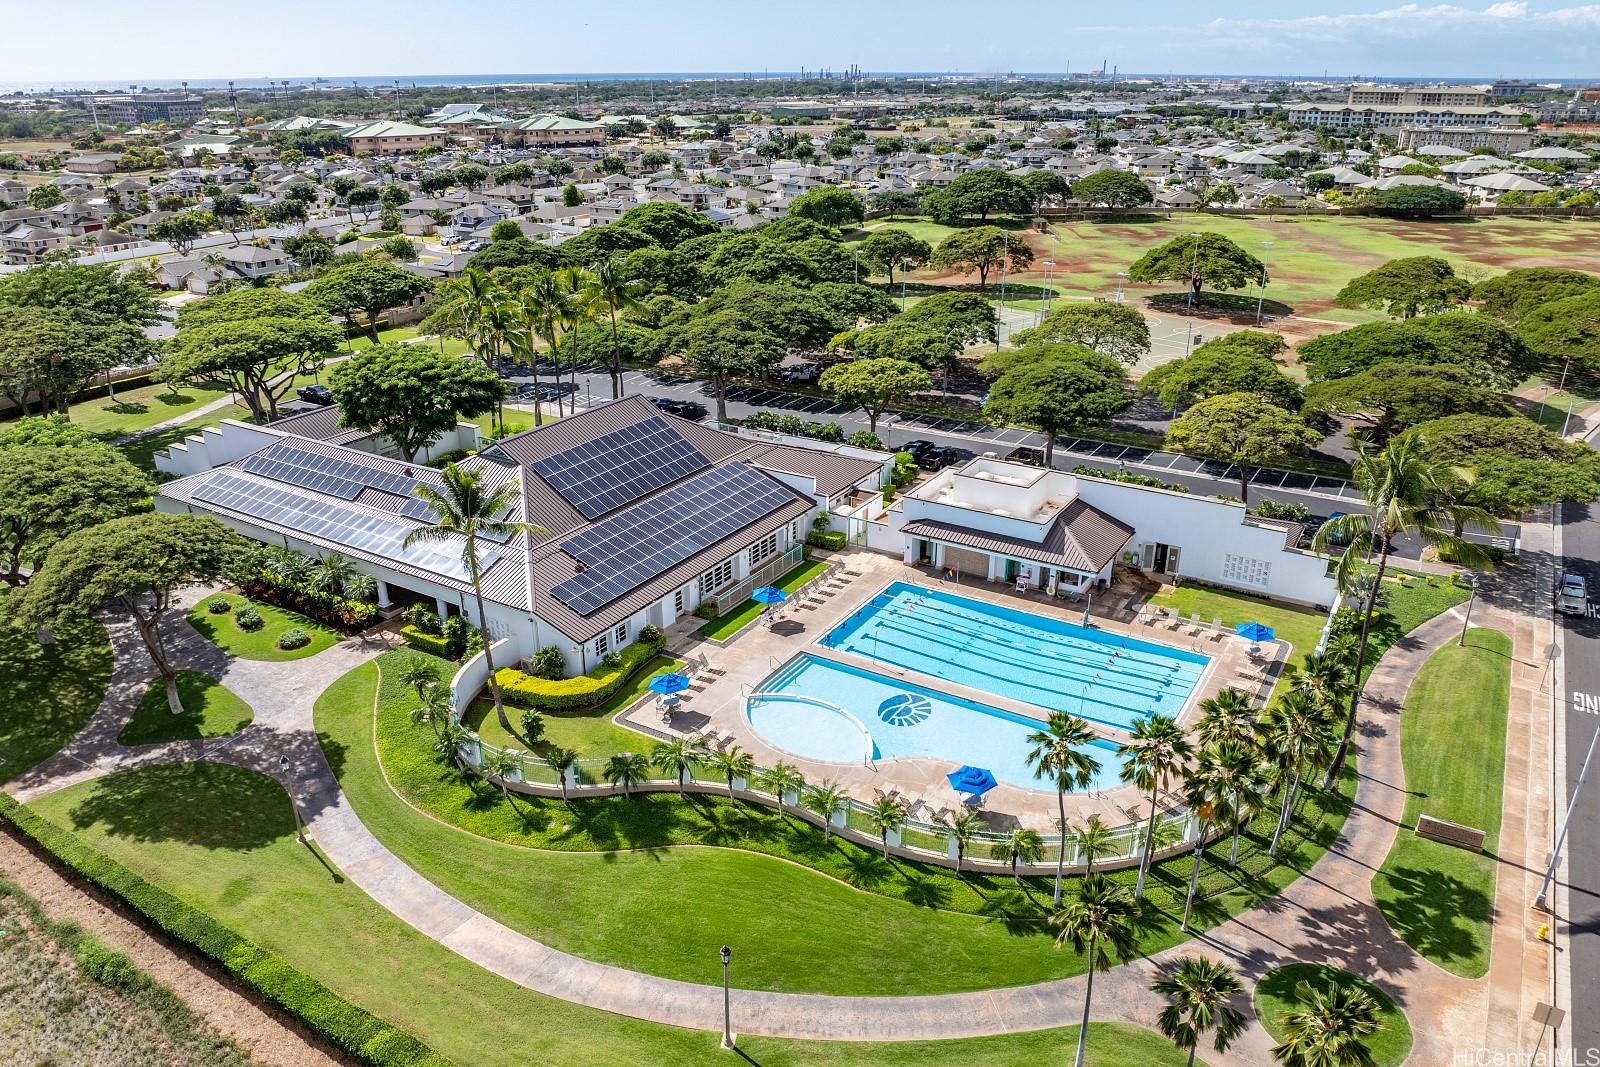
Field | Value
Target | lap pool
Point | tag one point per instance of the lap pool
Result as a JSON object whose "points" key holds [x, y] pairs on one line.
{"points": [[1048, 662], [833, 712]]}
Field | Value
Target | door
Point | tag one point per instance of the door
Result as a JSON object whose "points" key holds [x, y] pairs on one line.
{"points": [[1172, 559], [1011, 570], [1161, 559]]}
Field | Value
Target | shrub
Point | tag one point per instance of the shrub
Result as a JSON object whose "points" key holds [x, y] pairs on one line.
{"points": [[248, 618], [359, 1033], [706, 610], [865, 439], [1129, 478], [583, 691], [455, 455], [433, 644], [455, 636], [106, 965], [327, 608], [548, 663], [650, 632], [1273, 509], [532, 725], [218, 605], [831, 541], [422, 618], [293, 638], [794, 425], [611, 660]]}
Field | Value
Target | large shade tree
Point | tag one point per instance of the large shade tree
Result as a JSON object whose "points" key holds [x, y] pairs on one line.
{"points": [[411, 395], [1214, 369], [1515, 465], [1115, 330], [984, 192], [1199, 260], [829, 205], [48, 493], [1510, 296], [725, 346], [49, 355], [1406, 288], [1390, 397], [983, 250], [1066, 389], [367, 289], [1112, 188], [874, 385], [891, 247], [1566, 329], [1242, 429]]}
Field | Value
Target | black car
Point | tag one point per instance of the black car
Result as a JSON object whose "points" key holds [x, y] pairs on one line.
{"points": [[1034, 457], [936, 458], [916, 448], [556, 390], [315, 394], [684, 409]]}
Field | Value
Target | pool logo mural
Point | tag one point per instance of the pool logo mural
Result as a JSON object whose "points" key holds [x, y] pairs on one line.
{"points": [[905, 709]]}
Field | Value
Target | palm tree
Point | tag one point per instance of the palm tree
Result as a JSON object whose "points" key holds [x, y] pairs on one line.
{"points": [[500, 764], [1058, 753], [1296, 735], [433, 707], [1227, 720], [486, 316], [575, 310], [1019, 846], [452, 735], [1241, 764], [420, 674], [560, 760], [680, 756], [886, 813], [962, 827], [1328, 1028], [627, 769], [1094, 840], [464, 508], [1406, 491], [1104, 917], [734, 763], [1156, 752], [781, 779], [1323, 675], [824, 799], [1207, 787], [294, 567], [1197, 992], [609, 287], [536, 315]]}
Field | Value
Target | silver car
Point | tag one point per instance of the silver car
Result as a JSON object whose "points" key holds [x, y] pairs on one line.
{"points": [[1572, 596]]}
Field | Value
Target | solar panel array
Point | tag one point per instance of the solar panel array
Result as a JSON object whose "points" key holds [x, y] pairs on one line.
{"points": [[331, 522], [625, 551], [617, 468]]}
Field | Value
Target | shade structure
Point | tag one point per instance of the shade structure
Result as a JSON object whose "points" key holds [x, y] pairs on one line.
{"points": [[1254, 631], [769, 594], [668, 684], [974, 780]]}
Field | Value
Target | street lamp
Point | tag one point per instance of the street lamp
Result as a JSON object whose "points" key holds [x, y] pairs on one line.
{"points": [[299, 826], [1122, 276], [1049, 286], [1262, 297], [1539, 901], [1194, 265], [905, 269], [727, 1012], [1472, 584]]}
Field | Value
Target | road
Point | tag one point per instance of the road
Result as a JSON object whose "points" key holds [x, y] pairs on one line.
{"points": [[1323, 496], [1580, 659]]}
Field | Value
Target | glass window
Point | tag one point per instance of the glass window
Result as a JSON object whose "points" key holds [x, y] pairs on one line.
{"points": [[621, 635], [602, 645]]}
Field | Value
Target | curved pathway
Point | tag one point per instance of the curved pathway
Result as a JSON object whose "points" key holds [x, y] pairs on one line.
{"points": [[1326, 916]]}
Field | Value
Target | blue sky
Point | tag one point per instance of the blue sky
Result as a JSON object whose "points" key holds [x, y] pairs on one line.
{"points": [[289, 38]]}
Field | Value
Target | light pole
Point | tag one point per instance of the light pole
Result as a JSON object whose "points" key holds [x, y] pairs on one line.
{"points": [[727, 1011], [299, 826], [905, 269], [1122, 276], [1262, 298], [1194, 265], [1005, 256], [1472, 584], [1049, 287], [1566, 820]]}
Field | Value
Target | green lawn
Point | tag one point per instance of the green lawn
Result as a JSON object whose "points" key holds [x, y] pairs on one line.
{"points": [[724, 627], [136, 409], [597, 873], [222, 839], [223, 630], [47, 692], [1274, 994], [587, 731], [1439, 898], [1298, 626], [210, 709]]}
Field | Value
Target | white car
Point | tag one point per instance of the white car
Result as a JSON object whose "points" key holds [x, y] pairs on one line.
{"points": [[1572, 596]]}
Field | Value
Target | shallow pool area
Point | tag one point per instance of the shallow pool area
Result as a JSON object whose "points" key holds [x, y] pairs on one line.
{"points": [[818, 709], [1047, 662]]}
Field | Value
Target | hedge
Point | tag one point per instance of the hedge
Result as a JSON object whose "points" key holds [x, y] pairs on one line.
{"points": [[341, 1024], [580, 692], [327, 608], [436, 644], [834, 541]]}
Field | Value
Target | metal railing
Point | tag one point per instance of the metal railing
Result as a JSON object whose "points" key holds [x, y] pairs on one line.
{"points": [[766, 574], [802, 698]]}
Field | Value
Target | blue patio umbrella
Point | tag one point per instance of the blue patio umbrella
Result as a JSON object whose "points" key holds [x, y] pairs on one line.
{"points": [[668, 684], [769, 594], [1254, 631], [974, 780]]}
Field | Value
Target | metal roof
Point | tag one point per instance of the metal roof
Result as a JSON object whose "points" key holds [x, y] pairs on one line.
{"points": [[1082, 538]]}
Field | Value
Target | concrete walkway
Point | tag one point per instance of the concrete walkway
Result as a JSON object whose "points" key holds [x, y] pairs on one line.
{"points": [[1326, 916]]}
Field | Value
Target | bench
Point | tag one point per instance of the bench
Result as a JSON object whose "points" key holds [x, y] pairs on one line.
{"points": [[1450, 833]]}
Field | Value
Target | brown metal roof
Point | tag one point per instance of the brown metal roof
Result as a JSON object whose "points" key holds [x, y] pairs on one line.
{"points": [[318, 424], [1082, 538], [833, 473]]}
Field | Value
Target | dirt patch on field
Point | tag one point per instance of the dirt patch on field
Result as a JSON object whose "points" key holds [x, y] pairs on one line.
{"points": [[268, 1038]]}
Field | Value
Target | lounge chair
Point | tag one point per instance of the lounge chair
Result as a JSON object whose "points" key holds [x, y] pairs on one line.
{"points": [[1194, 626], [1217, 632], [1174, 623]]}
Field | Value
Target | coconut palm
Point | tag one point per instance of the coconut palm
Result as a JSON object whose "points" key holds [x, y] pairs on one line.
{"points": [[1094, 840], [1155, 754], [1059, 753], [680, 756], [1197, 992], [626, 769], [1019, 846], [780, 780], [419, 674], [610, 289], [962, 827], [1228, 720], [561, 761], [500, 764], [463, 507], [1101, 923], [825, 799], [886, 814], [1322, 675], [433, 707], [1207, 788], [1406, 491], [733, 763], [575, 310], [536, 315], [1296, 734], [1328, 1028], [1246, 774]]}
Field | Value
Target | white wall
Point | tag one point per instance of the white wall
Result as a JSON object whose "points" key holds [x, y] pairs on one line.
{"points": [[214, 446]]}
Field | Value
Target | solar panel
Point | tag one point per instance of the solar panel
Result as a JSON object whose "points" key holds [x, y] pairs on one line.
{"points": [[625, 551], [617, 468], [341, 525]]}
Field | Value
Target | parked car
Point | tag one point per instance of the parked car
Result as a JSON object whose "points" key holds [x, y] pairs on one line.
{"points": [[800, 373], [1572, 595], [938, 457], [315, 394], [684, 409], [1034, 457], [916, 448]]}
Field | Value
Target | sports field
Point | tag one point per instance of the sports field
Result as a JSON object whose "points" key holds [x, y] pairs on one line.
{"points": [[1308, 258]]}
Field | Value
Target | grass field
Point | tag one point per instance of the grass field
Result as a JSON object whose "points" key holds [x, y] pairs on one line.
{"points": [[1274, 994], [210, 709], [222, 839], [1439, 898], [587, 731], [223, 630], [1298, 626], [47, 692], [592, 877]]}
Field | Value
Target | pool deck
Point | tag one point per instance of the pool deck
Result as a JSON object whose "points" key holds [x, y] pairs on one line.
{"points": [[760, 650]]}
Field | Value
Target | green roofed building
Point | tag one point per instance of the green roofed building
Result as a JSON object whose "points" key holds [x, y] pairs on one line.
{"points": [[549, 130], [386, 138]]}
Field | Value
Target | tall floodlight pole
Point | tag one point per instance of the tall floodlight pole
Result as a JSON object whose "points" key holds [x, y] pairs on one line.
{"points": [[1561, 838]]}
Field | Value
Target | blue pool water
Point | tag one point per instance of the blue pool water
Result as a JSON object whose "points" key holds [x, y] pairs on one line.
{"points": [[1054, 664], [899, 720]]}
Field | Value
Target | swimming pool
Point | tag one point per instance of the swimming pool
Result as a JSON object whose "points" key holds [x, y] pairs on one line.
{"points": [[1048, 662], [821, 710]]}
